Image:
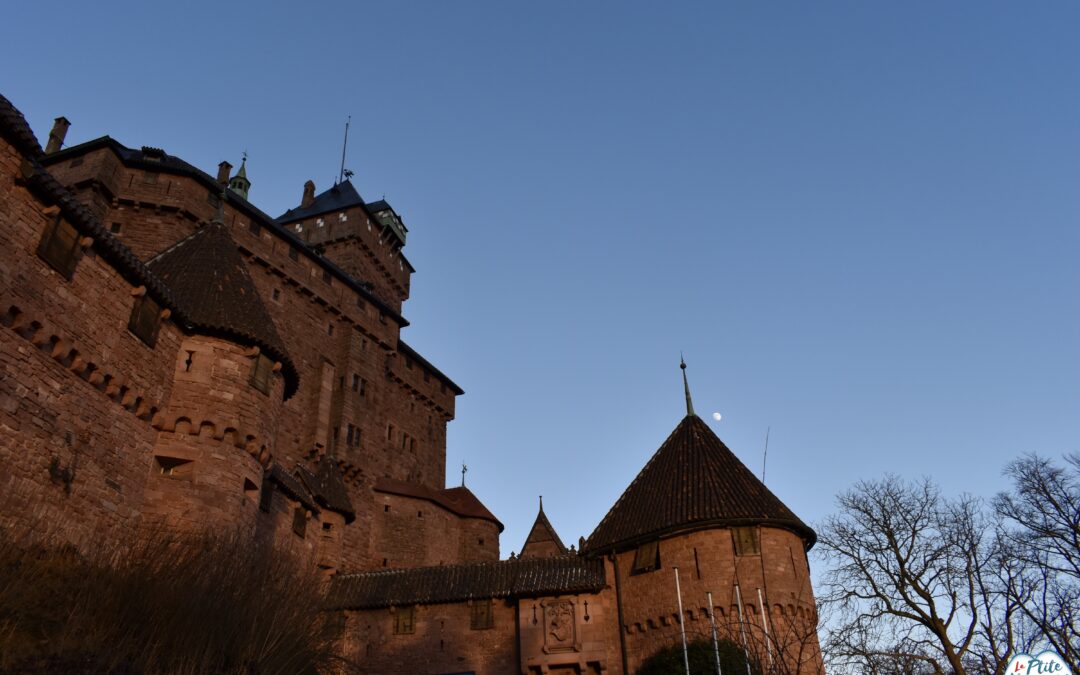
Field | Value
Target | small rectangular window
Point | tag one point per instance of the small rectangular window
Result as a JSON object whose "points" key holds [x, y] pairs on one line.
{"points": [[647, 558], [356, 383], [480, 615], [389, 432], [261, 369], [361, 305], [294, 254], [382, 318], [404, 620], [60, 247], [330, 329], [746, 540], [145, 319], [326, 276], [115, 228], [150, 177], [173, 466], [349, 435], [254, 228], [363, 386], [299, 522]]}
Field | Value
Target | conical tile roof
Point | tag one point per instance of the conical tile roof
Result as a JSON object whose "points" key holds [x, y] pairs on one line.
{"points": [[210, 280], [692, 482]]}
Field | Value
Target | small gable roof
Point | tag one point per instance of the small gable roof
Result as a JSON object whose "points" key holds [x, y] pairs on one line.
{"points": [[692, 482], [543, 541], [210, 279], [327, 487]]}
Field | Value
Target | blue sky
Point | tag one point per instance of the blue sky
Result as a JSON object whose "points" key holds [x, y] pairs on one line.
{"points": [[858, 220]]}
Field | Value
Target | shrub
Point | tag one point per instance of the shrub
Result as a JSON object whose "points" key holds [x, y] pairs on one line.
{"points": [[669, 660], [196, 604]]}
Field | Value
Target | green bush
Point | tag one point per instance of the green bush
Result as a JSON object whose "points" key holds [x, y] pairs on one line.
{"points": [[669, 660]]}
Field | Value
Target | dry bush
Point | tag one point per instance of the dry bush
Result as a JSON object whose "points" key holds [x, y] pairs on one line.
{"points": [[168, 604]]}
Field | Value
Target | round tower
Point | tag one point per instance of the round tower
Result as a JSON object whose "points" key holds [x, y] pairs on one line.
{"points": [[240, 183], [695, 539], [232, 374]]}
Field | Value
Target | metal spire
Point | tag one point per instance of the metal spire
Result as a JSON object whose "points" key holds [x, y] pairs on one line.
{"points": [[686, 387]]}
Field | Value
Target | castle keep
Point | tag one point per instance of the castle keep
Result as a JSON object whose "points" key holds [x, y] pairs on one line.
{"points": [[173, 357]]}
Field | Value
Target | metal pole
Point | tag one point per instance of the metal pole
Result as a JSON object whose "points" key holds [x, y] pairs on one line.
{"points": [[765, 620], [682, 625], [715, 643], [742, 632]]}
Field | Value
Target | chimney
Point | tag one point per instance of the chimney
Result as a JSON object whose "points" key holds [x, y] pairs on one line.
{"points": [[309, 195], [56, 136], [223, 170]]}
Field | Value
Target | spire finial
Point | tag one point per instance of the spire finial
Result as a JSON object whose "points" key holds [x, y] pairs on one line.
{"points": [[686, 387], [541, 502], [464, 470]]}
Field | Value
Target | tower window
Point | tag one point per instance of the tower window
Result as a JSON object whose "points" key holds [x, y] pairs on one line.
{"points": [[145, 319], [173, 466], [746, 540], [647, 558], [480, 615], [404, 620], [260, 373], [60, 247]]}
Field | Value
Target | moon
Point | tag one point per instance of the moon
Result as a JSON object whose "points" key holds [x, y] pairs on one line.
{"points": [[717, 416]]}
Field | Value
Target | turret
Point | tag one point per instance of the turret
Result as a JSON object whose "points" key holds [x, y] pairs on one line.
{"points": [[240, 183]]}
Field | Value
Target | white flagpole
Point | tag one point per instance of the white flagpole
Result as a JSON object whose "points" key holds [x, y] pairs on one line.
{"points": [[742, 631], [765, 620], [682, 625], [715, 643]]}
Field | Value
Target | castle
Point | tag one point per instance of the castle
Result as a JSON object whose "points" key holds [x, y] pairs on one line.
{"points": [[173, 357]]}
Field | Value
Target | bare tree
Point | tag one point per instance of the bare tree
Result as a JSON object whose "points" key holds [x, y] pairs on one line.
{"points": [[1041, 540], [914, 580]]}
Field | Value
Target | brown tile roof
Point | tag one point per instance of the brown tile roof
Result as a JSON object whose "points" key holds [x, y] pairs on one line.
{"points": [[209, 277], [692, 482], [457, 583], [292, 487], [542, 538], [328, 488], [459, 500]]}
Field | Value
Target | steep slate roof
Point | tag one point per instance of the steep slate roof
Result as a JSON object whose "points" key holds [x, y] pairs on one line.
{"points": [[692, 482], [542, 536], [291, 486], [341, 196], [459, 500], [456, 583], [327, 487], [207, 274]]}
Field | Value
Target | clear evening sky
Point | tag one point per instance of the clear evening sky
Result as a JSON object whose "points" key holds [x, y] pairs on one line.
{"points": [[859, 221]]}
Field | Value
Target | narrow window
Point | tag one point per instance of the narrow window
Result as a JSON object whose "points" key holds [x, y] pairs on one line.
{"points": [[145, 319], [299, 522], [389, 432], [386, 508], [349, 435], [254, 228], [60, 247], [294, 254], [251, 490], [363, 386], [326, 276], [330, 329], [480, 615], [647, 558], [260, 373], [404, 620], [275, 295], [746, 540], [266, 496], [115, 228]]}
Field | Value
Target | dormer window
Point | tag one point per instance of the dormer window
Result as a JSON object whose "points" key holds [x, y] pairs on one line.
{"points": [[299, 227], [647, 558], [60, 247], [320, 222], [261, 369], [145, 319], [342, 217]]}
